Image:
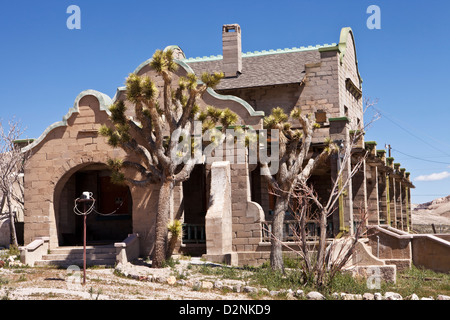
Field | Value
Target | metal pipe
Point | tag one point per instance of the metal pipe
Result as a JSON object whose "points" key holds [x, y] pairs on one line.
{"points": [[378, 247], [84, 244]]}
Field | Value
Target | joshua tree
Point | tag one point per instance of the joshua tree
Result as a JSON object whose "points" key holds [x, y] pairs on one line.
{"points": [[155, 134], [294, 146]]}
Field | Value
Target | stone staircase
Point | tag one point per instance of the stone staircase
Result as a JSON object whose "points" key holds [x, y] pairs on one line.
{"points": [[104, 255]]}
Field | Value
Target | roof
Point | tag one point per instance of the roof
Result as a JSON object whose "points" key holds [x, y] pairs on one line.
{"points": [[263, 68]]}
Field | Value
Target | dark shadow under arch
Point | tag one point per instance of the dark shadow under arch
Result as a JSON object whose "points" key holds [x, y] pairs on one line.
{"points": [[112, 219]]}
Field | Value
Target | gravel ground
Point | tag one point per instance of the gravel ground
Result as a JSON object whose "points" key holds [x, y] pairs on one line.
{"points": [[134, 282]]}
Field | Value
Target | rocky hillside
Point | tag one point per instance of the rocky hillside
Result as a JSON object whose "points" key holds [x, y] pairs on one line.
{"points": [[436, 211]]}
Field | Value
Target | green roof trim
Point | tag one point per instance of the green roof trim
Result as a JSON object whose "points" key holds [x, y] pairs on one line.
{"points": [[381, 151], [324, 47], [329, 48], [371, 143], [18, 141], [339, 119], [104, 102]]}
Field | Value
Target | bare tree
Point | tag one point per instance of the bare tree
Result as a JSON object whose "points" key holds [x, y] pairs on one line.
{"points": [[294, 146], [320, 258], [321, 261], [12, 163]]}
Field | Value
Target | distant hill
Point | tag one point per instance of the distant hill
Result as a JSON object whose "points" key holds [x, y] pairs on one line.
{"points": [[436, 211]]}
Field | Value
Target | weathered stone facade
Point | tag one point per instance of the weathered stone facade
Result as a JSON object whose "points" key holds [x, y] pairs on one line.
{"points": [[223, 220]]}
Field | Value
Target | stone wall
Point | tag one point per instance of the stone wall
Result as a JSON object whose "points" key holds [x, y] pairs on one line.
{"points": [[321, 89], [63, 150], [348, 69], [391, 246], [266, 98], [431, 252]]}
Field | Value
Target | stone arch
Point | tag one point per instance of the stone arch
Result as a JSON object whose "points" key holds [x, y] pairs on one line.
{"points": [[64, 179]]}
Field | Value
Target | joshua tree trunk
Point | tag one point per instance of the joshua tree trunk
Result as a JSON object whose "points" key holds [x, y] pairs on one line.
{"points": [[276, 256], [162, 219]]}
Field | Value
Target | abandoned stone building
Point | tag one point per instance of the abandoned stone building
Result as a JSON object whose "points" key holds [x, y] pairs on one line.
{"points": [[70, 157]]}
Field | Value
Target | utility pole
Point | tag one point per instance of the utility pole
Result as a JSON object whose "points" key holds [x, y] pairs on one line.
{"points": [[388, 146]]}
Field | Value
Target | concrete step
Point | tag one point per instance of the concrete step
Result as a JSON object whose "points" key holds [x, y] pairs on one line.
{"points": [[77, 255], [77, 262], [66, 256], [89, 250]]}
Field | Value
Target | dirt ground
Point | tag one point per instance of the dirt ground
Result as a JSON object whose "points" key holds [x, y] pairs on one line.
{"points": [[20, 283]]}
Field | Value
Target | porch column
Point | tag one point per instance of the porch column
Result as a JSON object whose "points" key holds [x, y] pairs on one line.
{"points": [[398, 198], [383, 201], [372, 195], [392, 201], [343, 213], [408, 204], [218, 220], [359, 188]]}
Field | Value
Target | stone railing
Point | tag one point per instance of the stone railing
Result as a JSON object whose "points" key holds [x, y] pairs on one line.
{"points": [[431, 252], [34, 251], [128, 250], [424, 250]]}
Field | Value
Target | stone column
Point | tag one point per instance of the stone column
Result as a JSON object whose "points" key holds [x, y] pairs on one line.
{"points": [[359, 189], [398, 204], [218, 220], [343, 213], [408, 204], [383, 204], [373, 205], [392, 203]]}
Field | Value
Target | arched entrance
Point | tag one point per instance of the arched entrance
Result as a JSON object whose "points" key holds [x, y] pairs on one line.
{"points": [[111, 220]]}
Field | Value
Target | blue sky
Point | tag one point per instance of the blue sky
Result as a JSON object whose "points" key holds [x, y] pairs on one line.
{"points": [[405, 64]]}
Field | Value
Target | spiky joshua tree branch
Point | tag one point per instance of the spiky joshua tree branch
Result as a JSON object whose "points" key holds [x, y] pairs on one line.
{"points": [[151, 139]]}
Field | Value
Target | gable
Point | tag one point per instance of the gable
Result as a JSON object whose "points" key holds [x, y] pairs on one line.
{"points": [[347, 56]]}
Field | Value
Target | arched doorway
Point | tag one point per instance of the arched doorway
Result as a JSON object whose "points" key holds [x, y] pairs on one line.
{"points": [[111, 220]]}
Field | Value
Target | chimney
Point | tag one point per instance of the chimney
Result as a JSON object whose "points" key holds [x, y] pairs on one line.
{"points": [[232, 50]]}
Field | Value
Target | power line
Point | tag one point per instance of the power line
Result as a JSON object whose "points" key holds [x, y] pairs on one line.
{"points": [[422, 159], [412, 134]]}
